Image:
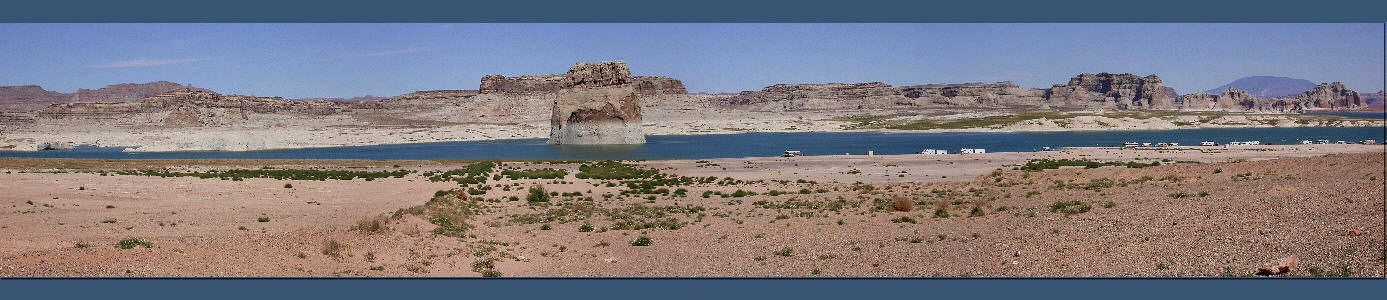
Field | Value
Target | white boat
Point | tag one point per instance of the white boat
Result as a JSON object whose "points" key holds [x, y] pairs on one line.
{"points": [[1307, 142], [1340, 143], [1322, 142], [1146, 144], [1206, 143], [1130, 144], [792, 153]]}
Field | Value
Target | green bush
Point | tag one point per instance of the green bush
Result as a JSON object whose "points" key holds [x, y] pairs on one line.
{"points": [[132, 242], [537, 195], [1070, 207], [641, 241], [535, 174]]}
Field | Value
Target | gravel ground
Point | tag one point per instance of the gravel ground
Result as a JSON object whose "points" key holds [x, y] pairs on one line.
{"points": [[1237, 210]]}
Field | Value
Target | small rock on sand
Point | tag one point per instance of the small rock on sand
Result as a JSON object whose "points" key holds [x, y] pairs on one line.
{"points": [[1280, 266]]}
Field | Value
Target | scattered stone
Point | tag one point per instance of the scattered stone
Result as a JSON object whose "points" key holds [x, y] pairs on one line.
{"points": [[1277, 267]]}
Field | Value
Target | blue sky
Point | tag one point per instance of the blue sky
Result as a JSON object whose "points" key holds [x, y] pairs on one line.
{"points": [[348, 60]]}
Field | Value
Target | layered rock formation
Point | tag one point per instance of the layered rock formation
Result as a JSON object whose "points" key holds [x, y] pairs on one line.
{"points": [[1327, 96], [528, 84], [29, 98], [34, 98], [828, 96], [1230, 100], [975, 94], [598, 104], [659, 85], [184, 109], [1111, 91], [1331, 96]]}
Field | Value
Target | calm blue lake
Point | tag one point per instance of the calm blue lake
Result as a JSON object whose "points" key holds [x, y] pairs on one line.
{"points": [[755, 144]]}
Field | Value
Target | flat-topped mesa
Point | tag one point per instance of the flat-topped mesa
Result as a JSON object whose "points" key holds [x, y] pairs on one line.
{"points": [[1003, 93], [528, 84], [1231, 99], [1112, 91], [824, 96], [659, 85], [598, 104], [187, 109], [1332, 96]]}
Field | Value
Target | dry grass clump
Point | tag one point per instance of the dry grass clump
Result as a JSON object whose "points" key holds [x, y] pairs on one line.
{"points": [[334, 248], [901, 204], [371, 225]]}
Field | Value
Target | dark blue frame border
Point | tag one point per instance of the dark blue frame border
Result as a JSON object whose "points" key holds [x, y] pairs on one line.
{"points": [[1202, 11], [976, 11]]}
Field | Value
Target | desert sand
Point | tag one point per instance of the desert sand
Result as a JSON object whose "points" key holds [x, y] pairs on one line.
{"points": [[1221, 211]]}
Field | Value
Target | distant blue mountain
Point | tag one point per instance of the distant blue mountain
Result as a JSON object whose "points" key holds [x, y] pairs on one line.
{"points": [[1267, 86]]}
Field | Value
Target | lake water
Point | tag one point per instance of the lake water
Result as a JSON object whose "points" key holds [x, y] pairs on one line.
{"points": [[755, 144]]}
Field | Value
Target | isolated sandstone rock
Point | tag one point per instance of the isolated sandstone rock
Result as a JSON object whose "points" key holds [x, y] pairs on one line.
{"points": [[1277, 267], [598, 104]]}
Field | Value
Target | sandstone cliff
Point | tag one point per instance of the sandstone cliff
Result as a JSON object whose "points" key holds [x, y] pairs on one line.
{"points": [[1331, 96], [975, 94], [598, 104], [183, 109], [1111, 91]]}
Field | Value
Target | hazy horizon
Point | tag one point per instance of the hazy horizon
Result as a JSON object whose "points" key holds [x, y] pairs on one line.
{"points": [[351, 60]]}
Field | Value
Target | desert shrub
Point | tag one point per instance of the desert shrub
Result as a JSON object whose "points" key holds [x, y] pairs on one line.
{"points": [[613, 170], [333, 248], [941, 212], [641, 241], [976, 212], [1042, 164], [535, 174], [901, 204], [1070, 207], [585, 228], [132, 242], [786, 252], [537, 195], [371, 225]]}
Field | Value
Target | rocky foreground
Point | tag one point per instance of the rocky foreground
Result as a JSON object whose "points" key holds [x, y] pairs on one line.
{"points": [[184, 118], [1171, 212]]}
